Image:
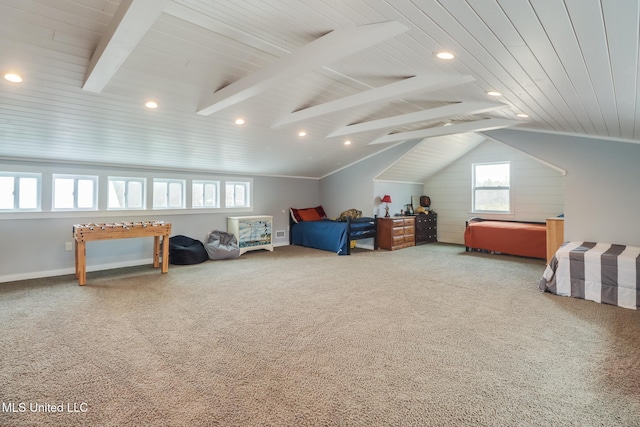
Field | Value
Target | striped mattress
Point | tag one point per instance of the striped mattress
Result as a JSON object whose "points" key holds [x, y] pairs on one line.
{"points": [[600, 272]]}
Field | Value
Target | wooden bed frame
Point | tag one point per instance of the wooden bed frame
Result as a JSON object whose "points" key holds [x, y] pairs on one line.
{"points": [[520, 238], [371, 233]]}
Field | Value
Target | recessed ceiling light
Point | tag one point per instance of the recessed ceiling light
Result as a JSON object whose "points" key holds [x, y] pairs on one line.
{"points": [[523, 115], [493, 93], [151, 104], [12, 77], [445, 55], [347, 142], [239, 121], [302, 133]]}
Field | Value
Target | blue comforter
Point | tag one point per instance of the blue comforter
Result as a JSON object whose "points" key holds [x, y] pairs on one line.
{"points": [[326, 235]]}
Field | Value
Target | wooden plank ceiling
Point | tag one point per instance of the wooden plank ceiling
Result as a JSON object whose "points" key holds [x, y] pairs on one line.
{"points": [[340, 70]]}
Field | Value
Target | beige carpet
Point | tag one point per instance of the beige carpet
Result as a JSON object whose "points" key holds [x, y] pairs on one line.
{"points": [[425, 336]]}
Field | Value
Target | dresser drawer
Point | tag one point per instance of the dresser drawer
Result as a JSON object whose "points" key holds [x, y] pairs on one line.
{"points": [[399, 222], [398, 240], [397, 231]]}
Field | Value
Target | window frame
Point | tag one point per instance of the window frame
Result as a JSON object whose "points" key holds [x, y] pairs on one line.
{"points": [[76, 177], [127, 180], [475, 188], [49, 188], [205, 182], [248, 199], [168, 181], [17, 176]]}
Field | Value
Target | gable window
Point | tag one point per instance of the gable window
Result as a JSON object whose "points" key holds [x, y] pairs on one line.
{"points": [[168, 193], [205, 194], [126, 193], [75, 192], [20, 191], [237, 194], [492, 187]]}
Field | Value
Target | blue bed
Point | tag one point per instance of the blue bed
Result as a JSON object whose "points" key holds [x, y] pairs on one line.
{"points": [[332, 235]]}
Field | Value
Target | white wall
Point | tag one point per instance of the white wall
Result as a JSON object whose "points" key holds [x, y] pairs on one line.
{"points": [[34, 245], [602, 186], [536, 188], [353, 187], [400, 195]]}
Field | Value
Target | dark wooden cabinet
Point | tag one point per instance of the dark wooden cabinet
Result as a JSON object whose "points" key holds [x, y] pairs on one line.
{"points": [[396, 232], [426, 228]]}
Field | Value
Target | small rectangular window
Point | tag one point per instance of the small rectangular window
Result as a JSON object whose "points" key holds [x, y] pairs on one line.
{"points": [[20, 191], [492, 187], [237, 194], [74, 192], [7, 192], [126, 193], [28, 193], [168, 193], [205, 194]]}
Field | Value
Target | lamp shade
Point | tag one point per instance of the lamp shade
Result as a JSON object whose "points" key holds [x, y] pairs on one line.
{"points": [[386, 199]]}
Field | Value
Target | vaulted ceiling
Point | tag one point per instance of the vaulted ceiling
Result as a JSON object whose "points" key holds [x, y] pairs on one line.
{"points": [[339, 70]]}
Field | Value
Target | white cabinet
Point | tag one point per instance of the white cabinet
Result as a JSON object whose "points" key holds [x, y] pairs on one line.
{"points": [[252, 232]]}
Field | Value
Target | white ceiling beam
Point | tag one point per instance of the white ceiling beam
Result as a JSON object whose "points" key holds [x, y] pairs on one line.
{"points": [[395, 90], [324, 50], [452, 110], [475, 126], [130, 23]]}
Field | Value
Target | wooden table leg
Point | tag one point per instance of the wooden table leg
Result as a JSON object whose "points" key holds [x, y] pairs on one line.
{"points": [[81, 263], [156, 251], [165, 253], [76, 256]]}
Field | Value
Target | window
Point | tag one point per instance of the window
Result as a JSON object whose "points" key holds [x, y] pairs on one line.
{"points": [[75, 192], [491, 187], [20, 191], [237, 194], [168, 193], [204, 194], [126, 193]]}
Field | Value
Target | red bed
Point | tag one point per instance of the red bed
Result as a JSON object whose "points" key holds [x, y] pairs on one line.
{"points": [[527, 239]]}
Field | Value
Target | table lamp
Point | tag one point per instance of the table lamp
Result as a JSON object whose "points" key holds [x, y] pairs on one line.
{"points": [[386, 199]]}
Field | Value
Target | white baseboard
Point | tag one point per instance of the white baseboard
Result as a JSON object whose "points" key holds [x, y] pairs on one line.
{"points": [[72, 270]]}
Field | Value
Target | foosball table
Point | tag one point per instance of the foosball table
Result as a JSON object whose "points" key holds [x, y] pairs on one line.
{"points": [[83, 233]]}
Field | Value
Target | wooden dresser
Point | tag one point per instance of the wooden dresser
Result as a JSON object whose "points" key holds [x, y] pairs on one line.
{"points": [[426, 228], [396, 232]]}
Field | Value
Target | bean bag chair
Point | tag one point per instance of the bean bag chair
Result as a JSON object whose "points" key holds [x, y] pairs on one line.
{"points": [[184, 250], [222, 245]]}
